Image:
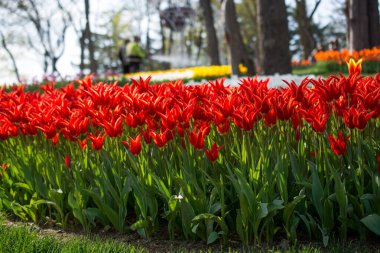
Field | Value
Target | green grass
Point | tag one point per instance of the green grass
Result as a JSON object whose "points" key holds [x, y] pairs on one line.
{"points": [[26, 239]]}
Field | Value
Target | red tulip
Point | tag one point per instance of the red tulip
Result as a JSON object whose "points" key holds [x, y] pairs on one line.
{"points": [[114, 127], [146, 135], [134, 145], [357, 117], [224, 127], [82, 144], [49, 130], [338, 145], [55, 139], [4, 166], [159, 138], [213, 153], [97, 141], [313, 153], [68, 162], [197, 138]]}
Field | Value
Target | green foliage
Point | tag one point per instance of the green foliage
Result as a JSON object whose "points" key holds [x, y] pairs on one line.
{"points": [[25, 239], [264, 183]]}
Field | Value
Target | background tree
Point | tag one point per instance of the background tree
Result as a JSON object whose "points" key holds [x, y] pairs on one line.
{"points": [[237, 51], [212, 40], [273, 34], [10, 54], [304, 21], [49, 29], [363, 26]]}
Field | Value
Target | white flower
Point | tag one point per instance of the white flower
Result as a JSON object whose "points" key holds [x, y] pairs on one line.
{"points": [[178, 197]]}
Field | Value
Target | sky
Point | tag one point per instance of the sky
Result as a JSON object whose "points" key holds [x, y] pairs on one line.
{"points": [[30, 65]]}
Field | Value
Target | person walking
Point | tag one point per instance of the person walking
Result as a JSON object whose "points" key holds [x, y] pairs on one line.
{"points": [[135, 54], [123, 56]]}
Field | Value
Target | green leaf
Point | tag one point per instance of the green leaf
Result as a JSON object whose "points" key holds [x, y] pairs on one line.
{"points": [[195, 228], [23, 186], [317, 192], [263, 212], [289, 208], [212, 237], [372, 222], [205, 216], [140, 224]]}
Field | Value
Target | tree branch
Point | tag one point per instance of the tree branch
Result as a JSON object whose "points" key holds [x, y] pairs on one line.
{"points": [[315, 8], [4, 43]]}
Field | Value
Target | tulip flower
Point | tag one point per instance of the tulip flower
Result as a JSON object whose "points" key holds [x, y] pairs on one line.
{"points": [[97, 141], [82, 144], [4, 166], [197, 138], [354, 67], [134, 145], [339, 144], [68, 162], [213, 153]]}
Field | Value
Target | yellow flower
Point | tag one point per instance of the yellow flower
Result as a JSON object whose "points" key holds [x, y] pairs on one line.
{"points": [[354, 67]]}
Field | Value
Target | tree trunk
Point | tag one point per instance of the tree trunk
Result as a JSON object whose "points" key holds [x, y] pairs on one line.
{"points": [[304, 27], [162, 32], [89, 39], [358, 25], [273, 37], [82, 52], [212, 40], [347, 14], [170, 44], [373, 23], [234, 39]]}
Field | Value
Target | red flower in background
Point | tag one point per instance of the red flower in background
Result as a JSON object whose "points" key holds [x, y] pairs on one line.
{"points": [[213, 153], [4, 166], [339, 144], [68, 162], [378, 164]]}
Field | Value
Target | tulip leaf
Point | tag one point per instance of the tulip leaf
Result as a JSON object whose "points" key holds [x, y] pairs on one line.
{"points": [[212, 237], [372, 222]]}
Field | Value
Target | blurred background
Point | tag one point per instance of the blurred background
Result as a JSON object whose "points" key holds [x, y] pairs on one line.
{"points": [[69, 38]]}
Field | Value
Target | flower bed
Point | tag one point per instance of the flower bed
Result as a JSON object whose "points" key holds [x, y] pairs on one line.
{"points": [[335, 60], [195, 73], [203, 161]]}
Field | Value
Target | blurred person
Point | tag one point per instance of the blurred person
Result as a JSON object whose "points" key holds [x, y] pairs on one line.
{"points": [[123, 56], [135, 54]]}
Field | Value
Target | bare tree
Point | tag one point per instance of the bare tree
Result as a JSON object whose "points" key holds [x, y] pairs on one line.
{"points": [[49, 25], [304, 26], [212, 39], [273, 33], [10, 54]]}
